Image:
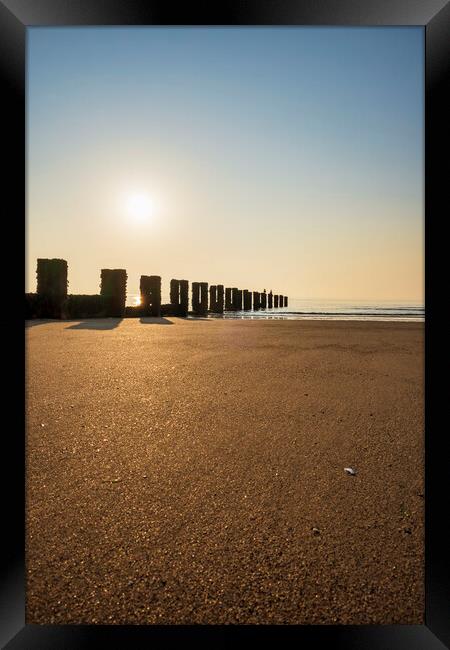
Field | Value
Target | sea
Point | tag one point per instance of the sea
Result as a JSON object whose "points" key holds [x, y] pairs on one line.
{"points": [[310, 309]]}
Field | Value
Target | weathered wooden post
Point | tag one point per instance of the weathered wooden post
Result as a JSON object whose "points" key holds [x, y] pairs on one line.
{"points": [[204, 297], [174, 292], [285, 301], [275, 301], [281, 301], [213, 298], [179, 297], [113, 288], [200, 298], [247, 300], [236, 299], [256, 300], [184, 297], [195, 296], [270, 300], [216, 298], [52, 286], [219, 299], [150, 289], [264, 300], [228, 301]]}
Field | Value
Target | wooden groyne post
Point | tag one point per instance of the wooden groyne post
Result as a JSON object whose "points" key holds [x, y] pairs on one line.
{"points": [[228, 301], [52, 286], [150, 290], [247, 295], [113, 288], [275, 301], [263, 299], [216, 298], [219, 299], [270, 300], [256, 300], [285, 301], [236, 299], [212, 297], [179, 296], [200, 298]]}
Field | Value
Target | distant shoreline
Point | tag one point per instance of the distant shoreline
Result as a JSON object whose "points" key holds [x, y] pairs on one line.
{"points": [[263, 316], [394, 318]]}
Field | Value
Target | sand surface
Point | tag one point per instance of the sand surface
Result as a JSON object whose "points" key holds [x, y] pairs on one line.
{"points": [[176, 471]]}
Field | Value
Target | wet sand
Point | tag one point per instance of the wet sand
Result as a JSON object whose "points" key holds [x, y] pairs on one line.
{"points": [[193, 472]]}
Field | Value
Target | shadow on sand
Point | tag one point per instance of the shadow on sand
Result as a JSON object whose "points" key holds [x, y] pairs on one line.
{"points": [[40, 321], [155, 320], [96, 324]]}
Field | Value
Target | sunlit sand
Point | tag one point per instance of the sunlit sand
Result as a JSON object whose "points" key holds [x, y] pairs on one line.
{"points": [[195, 473]]}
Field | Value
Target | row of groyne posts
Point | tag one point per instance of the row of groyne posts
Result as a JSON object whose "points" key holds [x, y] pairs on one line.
{"points": [[52, 300]]}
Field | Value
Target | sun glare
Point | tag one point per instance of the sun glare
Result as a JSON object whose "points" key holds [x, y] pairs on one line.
{"points": [[139, 207], [137, 301]]}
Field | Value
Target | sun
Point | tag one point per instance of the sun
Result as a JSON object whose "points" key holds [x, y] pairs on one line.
{"points": [[139, 207]]}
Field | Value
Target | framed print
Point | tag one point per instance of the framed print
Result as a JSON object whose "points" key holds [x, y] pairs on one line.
{"points": [[267, 179]]}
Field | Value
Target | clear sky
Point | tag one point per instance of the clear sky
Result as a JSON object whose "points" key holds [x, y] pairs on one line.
{"points": [[283, 158]]}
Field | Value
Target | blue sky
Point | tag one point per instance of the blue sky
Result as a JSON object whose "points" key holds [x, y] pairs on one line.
{"points": [[289, 158]]}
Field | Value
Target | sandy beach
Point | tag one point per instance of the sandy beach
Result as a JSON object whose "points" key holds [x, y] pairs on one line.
{"points": [[183, 471]]}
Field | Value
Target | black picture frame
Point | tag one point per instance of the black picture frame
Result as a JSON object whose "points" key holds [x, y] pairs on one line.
{"points": [[15, 17]]}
